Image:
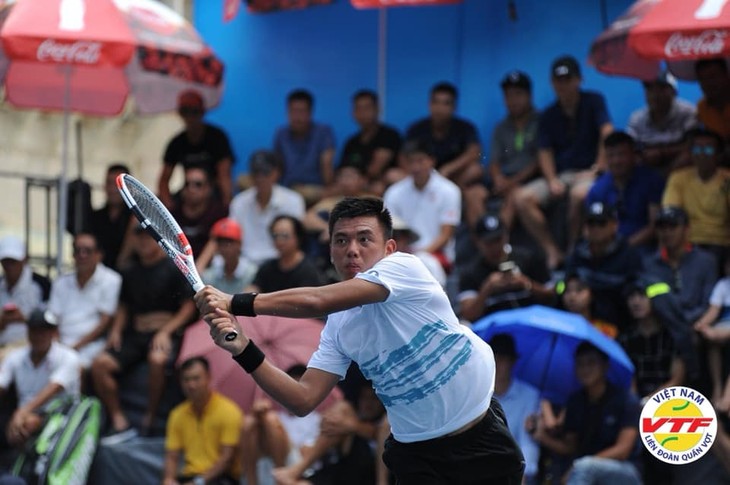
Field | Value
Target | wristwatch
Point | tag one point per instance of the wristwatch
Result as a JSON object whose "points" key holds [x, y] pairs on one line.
{"points": [[198, 480]]}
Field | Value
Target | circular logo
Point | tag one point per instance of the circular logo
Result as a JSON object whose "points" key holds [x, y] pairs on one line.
{"points": [[678, 425]]}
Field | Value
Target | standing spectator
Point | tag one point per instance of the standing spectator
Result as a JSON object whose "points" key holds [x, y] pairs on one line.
{"points": [[199, 143], [21, 292], [601, 426], [455, 141], [112, 224], [255, 208], [374, 149], [85, 300], [703, 191], [427, 201], [306, 147], [154, 305], [197, 209], [513, 152], [713, 110], [634, 190], [570, 156], [205, 429], [41, 371], [519, 400], [659, 127], [228, 267]]}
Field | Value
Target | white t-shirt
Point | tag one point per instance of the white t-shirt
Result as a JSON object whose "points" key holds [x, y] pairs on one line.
{"points": [[432, 374], [425, 211], [61, 366], [255, 221], [302, 431], [27, 295], [721, 297]]}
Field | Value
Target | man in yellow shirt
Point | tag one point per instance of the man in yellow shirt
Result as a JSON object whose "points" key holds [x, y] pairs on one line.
{"points": [[205, 429]]}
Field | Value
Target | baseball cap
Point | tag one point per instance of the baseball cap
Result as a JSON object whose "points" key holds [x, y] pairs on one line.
{"points": [[489, 227], [665, 77], [598, 211], [12, 247], [672, 215], [503, 344], [262, 162], [190, 99], [565, 66], [226, 228], [399, 225], [517, 79], [42, 319]]}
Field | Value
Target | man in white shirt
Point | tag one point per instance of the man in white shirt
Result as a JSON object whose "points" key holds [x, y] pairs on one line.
{"points": [[41, 371], [254, 209], [434, 376], [85, 300], [427, 201]]}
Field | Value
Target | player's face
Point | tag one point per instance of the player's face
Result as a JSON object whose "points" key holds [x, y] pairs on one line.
{"points": [[357, 244]]}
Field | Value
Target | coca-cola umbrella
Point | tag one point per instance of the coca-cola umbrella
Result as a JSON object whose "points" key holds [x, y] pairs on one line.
{"points": [[89, 56]]}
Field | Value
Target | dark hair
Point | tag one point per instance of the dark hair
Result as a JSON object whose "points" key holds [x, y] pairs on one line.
{"points": [[190, 362], [705, 63], [445, 87], [351, 207], [301, 95], [586, 347], [419, 145], [299, 231], [691, 135], [365, 93], [117, 167], [201, 167], [87, 234], [619, 138]]}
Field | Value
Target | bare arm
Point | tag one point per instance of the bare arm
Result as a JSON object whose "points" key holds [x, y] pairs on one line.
{"points": [[172, 462], [206, 255], [677, 374], [469, 156], [709, 317], [326, 166], [445, 234], [163, 185], [185, 314], [221, 465], [96, 333], [380, 160], [223, 179], [621, 450], [546, 162], [646, 234], [45, 395], [600, 163]]}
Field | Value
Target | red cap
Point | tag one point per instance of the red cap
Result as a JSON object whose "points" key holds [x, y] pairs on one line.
{"points": [[226, 229]]}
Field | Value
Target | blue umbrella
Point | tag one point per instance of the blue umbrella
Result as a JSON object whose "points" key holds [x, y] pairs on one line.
{"points": [[546, 340]]}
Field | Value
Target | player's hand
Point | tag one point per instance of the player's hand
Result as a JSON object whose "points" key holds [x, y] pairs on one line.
{"points": [[221, 324], [210, 298]]}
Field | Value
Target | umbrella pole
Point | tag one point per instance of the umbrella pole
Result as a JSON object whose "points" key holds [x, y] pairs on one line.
{"points": [[553, 344], [62, 185]]}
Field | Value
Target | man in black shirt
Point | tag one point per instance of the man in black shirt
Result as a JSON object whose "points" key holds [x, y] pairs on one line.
{"points": [[111, 223], [198, 144]]}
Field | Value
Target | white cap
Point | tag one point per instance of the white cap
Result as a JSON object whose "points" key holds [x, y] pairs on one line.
{"points": [[402, 226], [12, 247]]}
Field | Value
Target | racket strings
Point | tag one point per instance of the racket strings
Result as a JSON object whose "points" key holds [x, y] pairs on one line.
{"points": [[158, 216]]}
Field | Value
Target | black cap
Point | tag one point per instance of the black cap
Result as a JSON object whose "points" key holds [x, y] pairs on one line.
{"points": [[565, 66], [489, 227], [263, 162], [672, 215], [664, 78], [503, 344], [42, 319], [598, 211], [517, 79]]}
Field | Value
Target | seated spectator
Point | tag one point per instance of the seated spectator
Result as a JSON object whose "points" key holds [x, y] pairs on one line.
{"points": [[634, 190], [112, 224], [199, 143], [518, 399], [43, 370], [513, 153], [85, 300], [154, 305], [21, 292], [455, 141], [713, 110], [659, 127], [502, 277], [374, 149], [606, 262], [292, 269], [703, 191], [570, 156], [427, 201], [601, 426], [577, 298], [690, 272], [404, 238], [255, 208], [306, 147], [229, 270], [205, 429], [197, 209]]}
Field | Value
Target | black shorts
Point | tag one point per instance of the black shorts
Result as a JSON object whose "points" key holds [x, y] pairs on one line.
{"points": [[486, 453], [136, 346]]}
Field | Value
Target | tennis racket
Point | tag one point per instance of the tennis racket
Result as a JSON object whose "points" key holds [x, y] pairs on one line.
{"points": [[159, 223]]}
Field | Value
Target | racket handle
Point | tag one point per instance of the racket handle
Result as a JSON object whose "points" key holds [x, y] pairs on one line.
{"points": [[231, 336]]}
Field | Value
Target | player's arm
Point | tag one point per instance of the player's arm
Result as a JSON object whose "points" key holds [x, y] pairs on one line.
{"points": [[172, 462], [222, 464], [223, 180]]}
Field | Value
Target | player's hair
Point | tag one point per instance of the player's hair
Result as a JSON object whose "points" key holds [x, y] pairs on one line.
{"points": [[190, 362], [301, 95], [351, 207]]}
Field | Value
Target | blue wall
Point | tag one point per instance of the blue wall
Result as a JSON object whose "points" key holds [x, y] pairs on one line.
{"points": [[332, 51]]}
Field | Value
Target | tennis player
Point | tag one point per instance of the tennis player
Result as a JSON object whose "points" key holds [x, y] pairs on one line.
{"points": [[434, 376]]}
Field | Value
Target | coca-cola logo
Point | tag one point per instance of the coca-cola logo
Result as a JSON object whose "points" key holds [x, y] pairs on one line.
{"points": [[80, 52], [707, 43]]}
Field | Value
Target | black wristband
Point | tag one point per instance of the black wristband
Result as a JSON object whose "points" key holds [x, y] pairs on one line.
{"points": [[242, 304], [251, 357]]}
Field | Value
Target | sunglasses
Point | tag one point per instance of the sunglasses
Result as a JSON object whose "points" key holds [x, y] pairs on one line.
{"points": [[195, 183], [281, 235], [706, 150]]}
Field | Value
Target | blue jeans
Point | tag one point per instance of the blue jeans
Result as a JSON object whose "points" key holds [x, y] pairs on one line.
{"points": [[591, 470]]}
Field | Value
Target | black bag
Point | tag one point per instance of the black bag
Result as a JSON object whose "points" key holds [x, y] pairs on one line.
{"points": [[78, 214]]}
